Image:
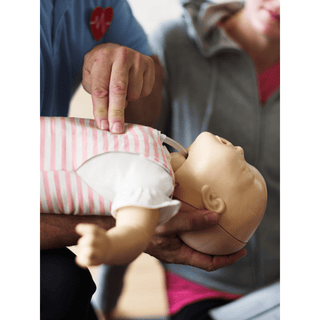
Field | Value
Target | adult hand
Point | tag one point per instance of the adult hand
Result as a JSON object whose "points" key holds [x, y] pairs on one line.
{"points": [[167, 246], [114, 75]]}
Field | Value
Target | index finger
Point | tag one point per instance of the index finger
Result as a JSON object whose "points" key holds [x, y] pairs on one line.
{"points": [[209, 263], [118, 96], [223, 261], [84, 228], [100, 77], [189, 221]]}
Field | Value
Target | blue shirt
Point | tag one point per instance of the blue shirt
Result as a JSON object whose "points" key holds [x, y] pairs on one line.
{"points": [[65, 39]]}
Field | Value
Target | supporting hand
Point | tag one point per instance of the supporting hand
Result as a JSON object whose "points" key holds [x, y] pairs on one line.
{"points": [[167, 246]]}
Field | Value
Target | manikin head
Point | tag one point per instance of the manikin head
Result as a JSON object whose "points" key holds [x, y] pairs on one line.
{"points": [[215, 176]]}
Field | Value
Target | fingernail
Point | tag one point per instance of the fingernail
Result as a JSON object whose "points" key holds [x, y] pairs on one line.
{"points": [[244, 253], [104, 125], [117, 127]]}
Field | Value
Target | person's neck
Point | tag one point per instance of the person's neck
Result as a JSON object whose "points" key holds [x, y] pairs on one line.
{"points": [[264, 52]]}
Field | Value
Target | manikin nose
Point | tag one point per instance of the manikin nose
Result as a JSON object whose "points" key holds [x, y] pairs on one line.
{"points": [[239, 149], [224, 141]]}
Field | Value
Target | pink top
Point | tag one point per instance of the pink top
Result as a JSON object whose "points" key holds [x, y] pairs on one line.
{"points": [[269, 82], [182, 292], [66, 143]]}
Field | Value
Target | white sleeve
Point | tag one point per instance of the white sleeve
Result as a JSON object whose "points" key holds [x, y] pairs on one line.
{"points": [[145, 184], [131, 180]]}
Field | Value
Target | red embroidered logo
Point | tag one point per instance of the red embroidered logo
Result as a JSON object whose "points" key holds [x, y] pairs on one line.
{"points": [[100, 21]]}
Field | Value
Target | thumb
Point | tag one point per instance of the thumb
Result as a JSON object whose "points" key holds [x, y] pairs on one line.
{"points": [[190, 221], [83, 228]]}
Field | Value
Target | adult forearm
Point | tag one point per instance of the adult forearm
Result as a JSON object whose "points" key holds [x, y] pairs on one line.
{"points": [[147, 110], [57, 231]]}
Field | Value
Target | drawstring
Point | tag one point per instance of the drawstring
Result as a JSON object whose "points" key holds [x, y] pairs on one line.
{"points": [[176, 145]]}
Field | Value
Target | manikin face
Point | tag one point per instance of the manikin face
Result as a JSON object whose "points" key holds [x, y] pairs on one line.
{"points": [[264, 15], [214, 160]]}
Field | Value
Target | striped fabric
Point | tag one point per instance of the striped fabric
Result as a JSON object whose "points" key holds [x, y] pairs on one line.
{"points": [[66, 143]]}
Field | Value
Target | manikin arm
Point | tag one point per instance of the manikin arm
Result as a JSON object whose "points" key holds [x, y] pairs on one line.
{"points": [[120, 245]]}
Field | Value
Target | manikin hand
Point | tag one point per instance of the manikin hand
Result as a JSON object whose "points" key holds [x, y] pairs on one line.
{"points": [[167, 246], [114, 74], [93, 245]]}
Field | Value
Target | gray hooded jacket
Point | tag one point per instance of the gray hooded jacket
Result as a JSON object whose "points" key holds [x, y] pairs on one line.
{"points": [[211, 85]]}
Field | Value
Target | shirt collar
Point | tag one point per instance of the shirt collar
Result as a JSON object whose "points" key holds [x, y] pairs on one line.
{"points": [[202, 19]]}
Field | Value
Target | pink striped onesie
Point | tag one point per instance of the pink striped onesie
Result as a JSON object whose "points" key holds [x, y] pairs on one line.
{"points": [[84, 170]]}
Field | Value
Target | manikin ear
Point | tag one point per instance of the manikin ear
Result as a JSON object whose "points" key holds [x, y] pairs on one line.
{"points": [[211, 200]]}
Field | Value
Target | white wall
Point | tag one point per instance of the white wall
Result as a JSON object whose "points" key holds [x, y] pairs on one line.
{"points": [[151, 12]]}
